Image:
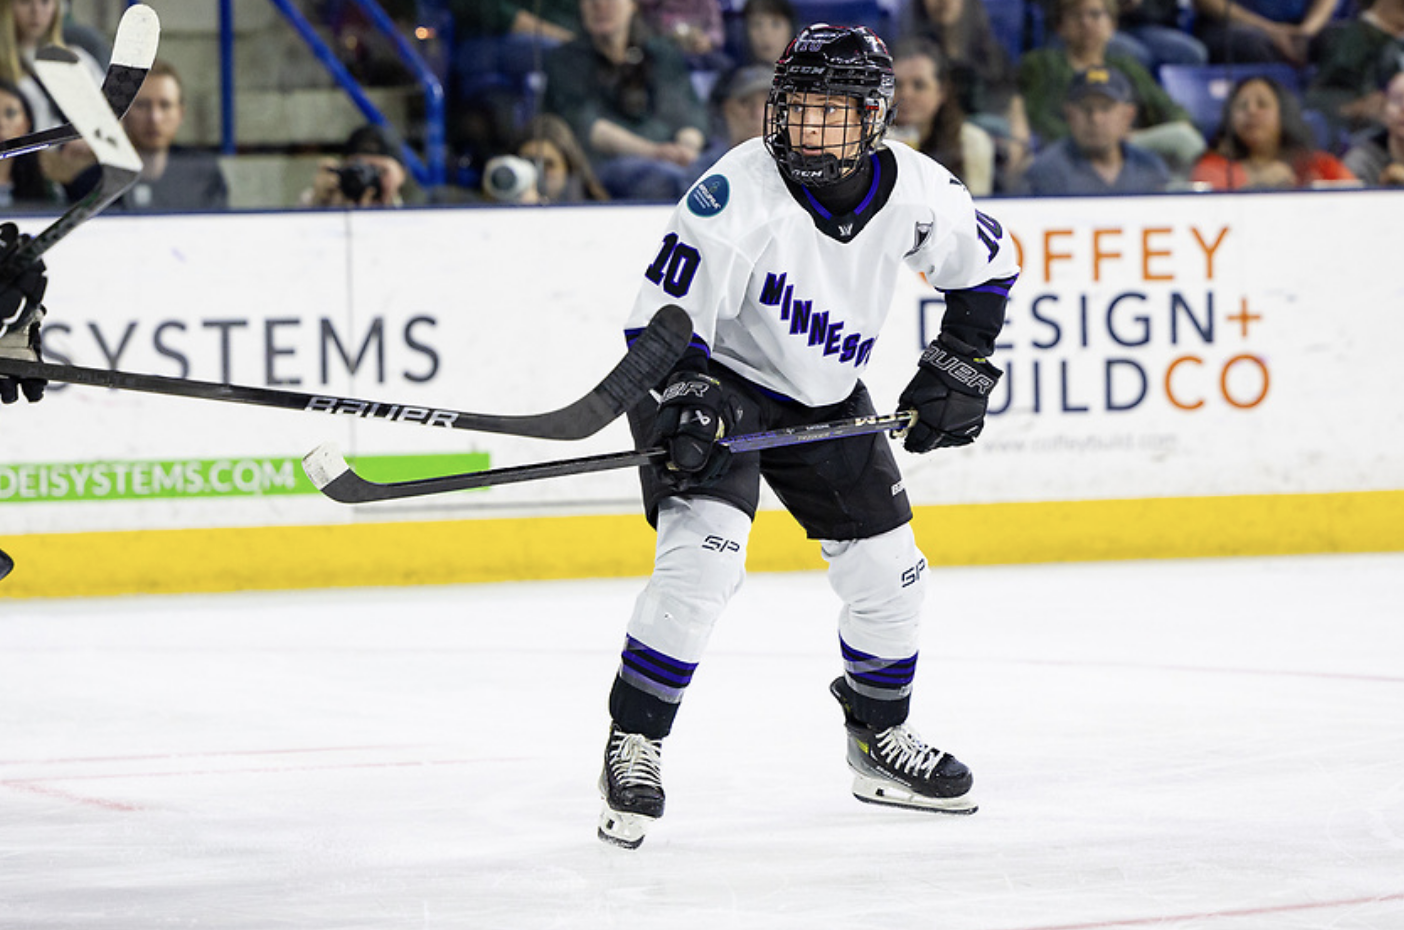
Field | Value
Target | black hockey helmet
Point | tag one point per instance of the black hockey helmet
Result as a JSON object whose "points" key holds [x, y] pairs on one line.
{"points": [[837, 61]]}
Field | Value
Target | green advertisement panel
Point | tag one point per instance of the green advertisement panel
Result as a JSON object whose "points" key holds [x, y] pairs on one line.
{"points": [[233, 476]]}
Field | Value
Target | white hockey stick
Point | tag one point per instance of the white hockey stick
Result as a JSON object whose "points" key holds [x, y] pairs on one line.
{"points": [[133, 51], [64, 77]]}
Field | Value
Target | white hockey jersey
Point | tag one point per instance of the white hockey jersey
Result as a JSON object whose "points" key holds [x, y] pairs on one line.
{"points": [[792, 308]]}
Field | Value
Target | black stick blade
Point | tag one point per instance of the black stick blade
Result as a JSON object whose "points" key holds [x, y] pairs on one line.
{"points": [[331, 474]]}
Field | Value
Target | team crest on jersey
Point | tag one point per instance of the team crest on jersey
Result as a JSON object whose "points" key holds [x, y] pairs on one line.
{"points": [[709, 196], [922, 233]]}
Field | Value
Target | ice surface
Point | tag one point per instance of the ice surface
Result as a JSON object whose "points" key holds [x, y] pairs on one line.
{"points": [[1191, 744]]}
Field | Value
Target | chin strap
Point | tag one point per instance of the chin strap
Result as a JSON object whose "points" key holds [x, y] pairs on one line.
{"points": [[848, 192]]}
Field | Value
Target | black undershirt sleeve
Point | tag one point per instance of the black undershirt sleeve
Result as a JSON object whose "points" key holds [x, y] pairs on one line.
{"points": [[976, 315]]}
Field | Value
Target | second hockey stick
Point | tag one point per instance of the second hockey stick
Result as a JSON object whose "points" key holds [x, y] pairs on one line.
{"points": [[333, 476], [133, 51], [65, 79], [648, 360]]}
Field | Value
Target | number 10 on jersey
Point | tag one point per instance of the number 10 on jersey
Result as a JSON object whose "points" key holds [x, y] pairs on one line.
{"points": [[675, 266]]}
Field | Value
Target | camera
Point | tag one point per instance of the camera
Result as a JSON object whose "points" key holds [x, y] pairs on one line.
{"points": [[508, 178], [355, 178]]}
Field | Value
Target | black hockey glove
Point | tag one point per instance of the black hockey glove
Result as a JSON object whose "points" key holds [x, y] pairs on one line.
{"points": [[692, 416], [949, 393], [21, 312]]}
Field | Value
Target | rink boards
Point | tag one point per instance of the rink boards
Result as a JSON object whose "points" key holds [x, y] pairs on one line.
{"points": [[1190, 375]]}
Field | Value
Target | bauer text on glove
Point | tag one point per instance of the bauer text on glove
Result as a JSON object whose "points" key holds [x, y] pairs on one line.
{"points": [[949, 393]]}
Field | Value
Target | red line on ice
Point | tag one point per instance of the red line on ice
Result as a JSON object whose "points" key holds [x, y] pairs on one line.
{"points": [[190, 773], [200, 755], [1212, 915], [1201, 669], [69, 796]]}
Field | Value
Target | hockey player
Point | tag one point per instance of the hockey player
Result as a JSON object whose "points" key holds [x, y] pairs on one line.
{"points": [[785, 255], [21, 312]]}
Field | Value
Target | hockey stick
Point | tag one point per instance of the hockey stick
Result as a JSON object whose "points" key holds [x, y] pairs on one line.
{"points": [[62, 75], [646, 363], [133, 51], [331, 474]]}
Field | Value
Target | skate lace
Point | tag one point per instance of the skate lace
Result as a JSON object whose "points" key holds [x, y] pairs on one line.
{"points": [[636, 760], [905, 751]]}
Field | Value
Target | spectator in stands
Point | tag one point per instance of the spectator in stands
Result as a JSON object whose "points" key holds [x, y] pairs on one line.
{"points": [[556, 20], [172, 178], [1265, 143], [983, 76], [25, 27], [563, 172], [1046, 75], [1149, 31], [738, 102], [23, 185], [929, 117], [1354, 60], [368, 174], [496, 45], [1243, 31], [1377, 155], [1096, 156], [769, 25], [694, 26], [628, 97]]}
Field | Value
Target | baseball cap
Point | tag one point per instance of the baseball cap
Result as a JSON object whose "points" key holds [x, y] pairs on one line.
{"points": [[1106, 81], [372, 140]]}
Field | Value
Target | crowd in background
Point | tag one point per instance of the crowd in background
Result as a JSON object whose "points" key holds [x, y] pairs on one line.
{"points": [[571, 101], [1064, 97]]}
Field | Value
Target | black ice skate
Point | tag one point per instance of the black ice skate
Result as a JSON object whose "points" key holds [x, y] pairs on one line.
{"points": [[894, 767], [632, 787]]}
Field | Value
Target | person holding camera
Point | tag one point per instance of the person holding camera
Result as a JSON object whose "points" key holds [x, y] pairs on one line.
{"points": [[369, 173], [548, 166]]}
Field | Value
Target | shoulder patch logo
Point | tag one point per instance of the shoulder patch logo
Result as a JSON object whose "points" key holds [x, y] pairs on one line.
{"points": [[708, 197]]}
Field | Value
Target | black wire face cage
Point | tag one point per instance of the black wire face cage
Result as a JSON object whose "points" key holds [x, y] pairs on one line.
{"points": [[850, 67]]}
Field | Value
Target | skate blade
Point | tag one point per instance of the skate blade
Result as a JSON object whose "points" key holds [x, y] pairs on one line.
{"points": [[889, 794], [622, 829]]}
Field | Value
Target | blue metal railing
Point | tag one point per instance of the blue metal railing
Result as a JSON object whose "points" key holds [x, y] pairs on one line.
{"points": [[226, 76], [429, 171]]}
